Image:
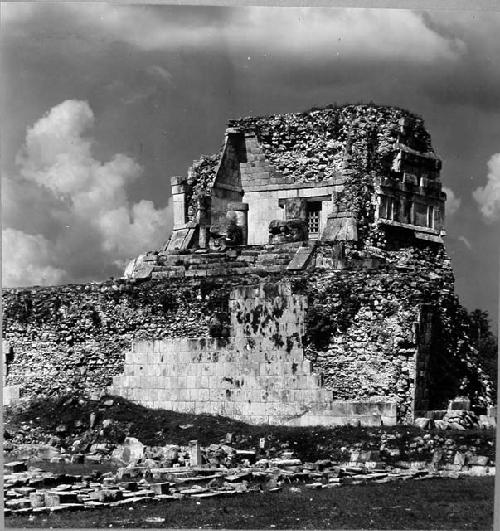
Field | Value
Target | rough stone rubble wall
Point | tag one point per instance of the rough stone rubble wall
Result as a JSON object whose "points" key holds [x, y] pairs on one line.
{"points": [[73, 338], [368, 326], [259, 375], [311, 147]]}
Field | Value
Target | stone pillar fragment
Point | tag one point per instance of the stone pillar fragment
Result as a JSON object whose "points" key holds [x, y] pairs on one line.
{"points": [[179, 200], [195, 453]]}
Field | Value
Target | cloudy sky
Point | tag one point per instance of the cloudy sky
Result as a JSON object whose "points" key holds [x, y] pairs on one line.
{"points": [[103, 103]]}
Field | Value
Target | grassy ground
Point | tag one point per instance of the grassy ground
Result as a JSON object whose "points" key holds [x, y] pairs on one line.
{"points": [[431, 504]]}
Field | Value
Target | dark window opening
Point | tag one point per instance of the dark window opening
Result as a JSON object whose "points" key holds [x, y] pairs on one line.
{"points": [[313, 217]]}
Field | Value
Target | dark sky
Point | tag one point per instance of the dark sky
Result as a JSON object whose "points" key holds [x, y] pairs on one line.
{"points": [[102, 104]]}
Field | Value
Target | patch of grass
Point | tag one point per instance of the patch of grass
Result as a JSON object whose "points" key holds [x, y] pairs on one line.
{"points": [[438, 504]]}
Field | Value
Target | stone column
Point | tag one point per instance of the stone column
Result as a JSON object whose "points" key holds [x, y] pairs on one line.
{"points": [[194, 453], [178, 185], [203, 220]]}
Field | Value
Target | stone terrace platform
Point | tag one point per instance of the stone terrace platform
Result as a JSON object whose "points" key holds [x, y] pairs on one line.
{"points": [[233, 261]]}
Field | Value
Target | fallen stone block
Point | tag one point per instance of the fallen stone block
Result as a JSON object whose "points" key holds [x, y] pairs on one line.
{"points": [[481, 460], [53, 498], [206, 495], [129, 501], [193, 490], [160, 488], [478, 470], [487, 422], [37, 499], [20, 503], [143, 493], [371, 465], [93, 458], [247, 454], [235, 478], [313, 485], [285, 462], [423, 423], [67, 507], [93, 504], [106, 495], [15, 466]]}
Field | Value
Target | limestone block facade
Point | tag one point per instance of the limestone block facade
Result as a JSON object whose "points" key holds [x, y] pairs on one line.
{"points": [[259, 374]]}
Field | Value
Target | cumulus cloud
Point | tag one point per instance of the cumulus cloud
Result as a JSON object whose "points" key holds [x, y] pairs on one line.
{"points": [[488, 196], [452, 201], [93, 226], [26, 260]]}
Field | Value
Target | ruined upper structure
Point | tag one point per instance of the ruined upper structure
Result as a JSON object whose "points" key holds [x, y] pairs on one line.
{"points": [[350, 173], [305, 282]]}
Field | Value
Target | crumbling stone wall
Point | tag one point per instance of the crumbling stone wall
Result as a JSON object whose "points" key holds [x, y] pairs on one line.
{"points": [[371, 328], [311, 146], [72, 338], [258, 375], [365, 324]]}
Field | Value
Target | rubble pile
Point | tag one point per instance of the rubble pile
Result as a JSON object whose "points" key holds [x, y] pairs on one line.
{"points": [[462, 419], [172, 472], [110, 468]]}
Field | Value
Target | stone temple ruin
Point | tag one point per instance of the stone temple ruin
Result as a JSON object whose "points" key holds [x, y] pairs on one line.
{"points": [[305, 282]]}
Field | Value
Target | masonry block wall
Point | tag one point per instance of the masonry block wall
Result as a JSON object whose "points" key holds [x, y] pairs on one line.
{"points": [[258, 375]]}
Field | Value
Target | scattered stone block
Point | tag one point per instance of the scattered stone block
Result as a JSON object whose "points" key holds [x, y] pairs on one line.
{"points": [[423, 423], [54, 498], [15, 467], [160, 488], [37, 499], [478, 460], [20, 503]]}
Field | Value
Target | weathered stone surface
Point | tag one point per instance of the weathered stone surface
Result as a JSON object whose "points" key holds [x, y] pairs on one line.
{"points": [[378, 321], [129, 452]]}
